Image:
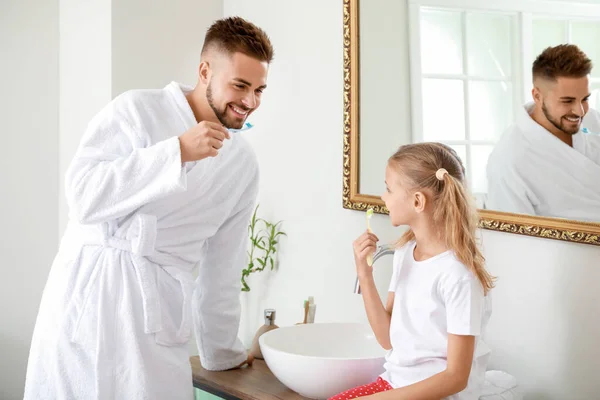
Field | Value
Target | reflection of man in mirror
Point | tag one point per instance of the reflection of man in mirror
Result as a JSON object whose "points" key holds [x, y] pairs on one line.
{"points": [[544, 164]]}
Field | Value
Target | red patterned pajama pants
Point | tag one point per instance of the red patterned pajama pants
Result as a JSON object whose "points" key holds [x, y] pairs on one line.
{"points": [[380, 385]]}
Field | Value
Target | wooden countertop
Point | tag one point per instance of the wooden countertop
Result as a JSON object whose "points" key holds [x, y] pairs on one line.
{"points": [[249, 383]]}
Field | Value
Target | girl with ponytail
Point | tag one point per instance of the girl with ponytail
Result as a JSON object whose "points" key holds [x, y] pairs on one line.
{"points": [[438, 303]]}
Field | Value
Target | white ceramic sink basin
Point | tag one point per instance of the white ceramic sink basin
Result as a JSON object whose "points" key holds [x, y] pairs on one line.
{"points": [[322, 360]]}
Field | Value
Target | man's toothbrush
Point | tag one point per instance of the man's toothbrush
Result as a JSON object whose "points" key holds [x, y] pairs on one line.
{"points": [[369, 215], [246, 126]]}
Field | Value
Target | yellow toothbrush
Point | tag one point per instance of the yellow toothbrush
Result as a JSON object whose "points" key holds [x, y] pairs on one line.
{"points": [[369, 215]]}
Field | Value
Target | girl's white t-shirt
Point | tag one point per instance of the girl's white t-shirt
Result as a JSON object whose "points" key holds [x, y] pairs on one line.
{"points": [[433, 298]]}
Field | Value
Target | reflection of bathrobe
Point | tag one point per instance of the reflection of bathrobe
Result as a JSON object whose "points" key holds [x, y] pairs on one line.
{"points": [[120, 301], [532, 172], [591, 121]]}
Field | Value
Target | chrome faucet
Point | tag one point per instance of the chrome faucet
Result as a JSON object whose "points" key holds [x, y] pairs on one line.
{"points": [[380, 251]]}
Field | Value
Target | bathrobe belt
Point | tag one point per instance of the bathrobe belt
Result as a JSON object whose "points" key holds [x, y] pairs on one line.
{"points": [[140, 241]]}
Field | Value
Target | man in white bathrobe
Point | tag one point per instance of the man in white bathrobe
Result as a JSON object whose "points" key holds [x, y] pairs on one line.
{"points": [[545, 164], [161, 182]]}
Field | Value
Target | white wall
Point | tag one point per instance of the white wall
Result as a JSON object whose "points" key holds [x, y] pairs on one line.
{"points": [[545, 326], [156, 42], [85, 77], [29, 175], [546, 290]]}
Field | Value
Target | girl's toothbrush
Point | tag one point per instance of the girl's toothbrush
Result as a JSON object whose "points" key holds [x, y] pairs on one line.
{"points": [[369, 215]]}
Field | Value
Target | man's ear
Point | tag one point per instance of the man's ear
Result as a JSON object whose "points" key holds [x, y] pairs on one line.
{"points": [[536, 94], [541, 87], [204, 72]]}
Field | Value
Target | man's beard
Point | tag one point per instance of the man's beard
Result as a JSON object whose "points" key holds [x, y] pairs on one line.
{"points": [[222, 114], [559, 124]]}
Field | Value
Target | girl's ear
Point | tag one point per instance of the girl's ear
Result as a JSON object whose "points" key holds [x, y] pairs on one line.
{"points": [[419, 202]]}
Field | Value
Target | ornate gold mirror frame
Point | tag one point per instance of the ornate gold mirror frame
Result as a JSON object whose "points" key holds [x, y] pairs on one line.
{"points": [[551, 228]]}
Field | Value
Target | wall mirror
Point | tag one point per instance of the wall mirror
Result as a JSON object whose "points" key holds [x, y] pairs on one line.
{"points": [[459, 72]]}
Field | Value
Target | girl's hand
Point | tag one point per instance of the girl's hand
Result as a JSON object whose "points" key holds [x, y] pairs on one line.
{"points": [[364, 245]]}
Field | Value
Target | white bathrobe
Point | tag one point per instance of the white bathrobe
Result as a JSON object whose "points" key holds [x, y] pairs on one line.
{"points": [[591, 121], [530, 171], [120, 301]]}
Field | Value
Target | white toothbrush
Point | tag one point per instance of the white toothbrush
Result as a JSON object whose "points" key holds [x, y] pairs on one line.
{"points": [[369, 215]]}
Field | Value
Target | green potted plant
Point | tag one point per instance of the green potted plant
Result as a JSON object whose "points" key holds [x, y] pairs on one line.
{"points": [[263, 246]]}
